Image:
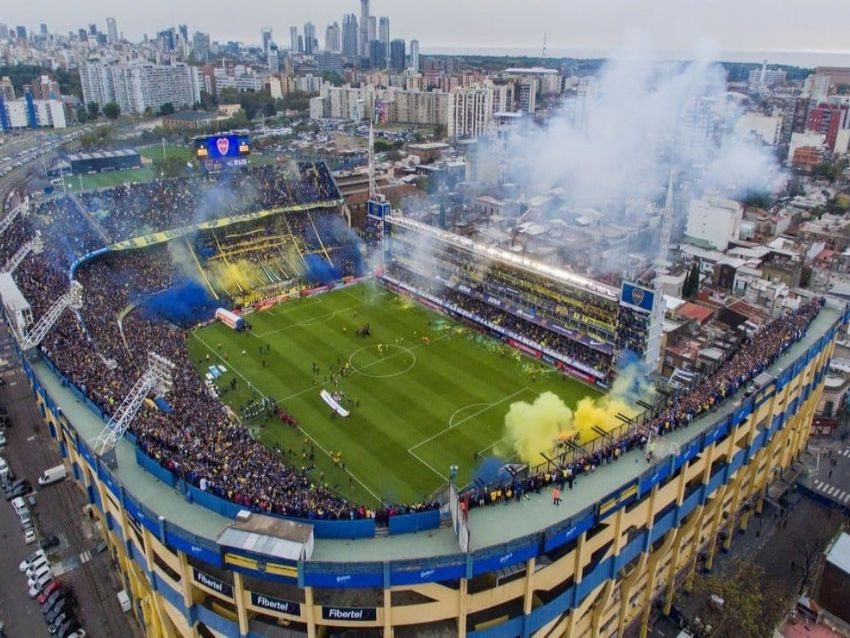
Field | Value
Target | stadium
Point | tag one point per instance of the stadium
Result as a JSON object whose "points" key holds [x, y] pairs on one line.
{"points": [[286, 430]]}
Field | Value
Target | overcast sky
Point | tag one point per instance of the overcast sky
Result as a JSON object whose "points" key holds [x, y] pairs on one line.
{"points": [[672, 26]]}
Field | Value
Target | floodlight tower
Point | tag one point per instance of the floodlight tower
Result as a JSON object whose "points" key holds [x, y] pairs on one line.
{"points": [[23, 209], [34, 245], [156, 378], [72, 299], [378, 208], [653, 338]]}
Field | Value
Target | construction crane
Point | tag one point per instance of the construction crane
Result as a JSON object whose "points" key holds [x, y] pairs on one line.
{"points": [[157, 378]]}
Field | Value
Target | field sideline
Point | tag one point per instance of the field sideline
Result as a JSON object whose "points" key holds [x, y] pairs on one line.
{"points": [[416, 408]]}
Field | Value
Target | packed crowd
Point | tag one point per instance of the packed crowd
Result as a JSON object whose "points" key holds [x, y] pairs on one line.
{"points": [[527, 328], [133, 210], [105, 351], [756, 355]]}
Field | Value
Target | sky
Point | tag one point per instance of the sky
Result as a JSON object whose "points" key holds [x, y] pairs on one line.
{"points": [[584, 27]]}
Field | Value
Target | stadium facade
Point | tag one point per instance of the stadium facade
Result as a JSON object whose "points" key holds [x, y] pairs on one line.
{"points": [[628, 535]]}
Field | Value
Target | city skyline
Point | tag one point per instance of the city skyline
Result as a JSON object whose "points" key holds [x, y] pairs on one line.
{"points": [[585, 28]]}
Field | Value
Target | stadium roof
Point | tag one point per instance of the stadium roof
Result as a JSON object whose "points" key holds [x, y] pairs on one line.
{"points": [[489, 252], [270, 536], [124, 152]]}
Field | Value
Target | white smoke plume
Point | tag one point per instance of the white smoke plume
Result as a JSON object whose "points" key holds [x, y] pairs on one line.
{"points": [[644, 117]]}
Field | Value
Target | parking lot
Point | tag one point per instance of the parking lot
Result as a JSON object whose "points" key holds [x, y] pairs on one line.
{"points": [[79, 560]]}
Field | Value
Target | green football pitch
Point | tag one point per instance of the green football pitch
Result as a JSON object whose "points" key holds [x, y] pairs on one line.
{"points": [[416, 408]]}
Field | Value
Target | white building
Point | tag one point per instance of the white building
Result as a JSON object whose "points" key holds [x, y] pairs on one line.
{"points": [[414, 56], [470, 111], [138, 86], [16, 114], [713, 222]]}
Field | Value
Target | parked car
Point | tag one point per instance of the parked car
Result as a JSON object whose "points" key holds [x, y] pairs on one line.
{"points": [[29, 560], [39, 586], [37, 564], [77, 633], [64, 607], [60, 620], [38, 574], [25, 518], [54, 586], [2, 438], [67, 627], [51, 598], [20, 487], [49, 541], [29, 536]]}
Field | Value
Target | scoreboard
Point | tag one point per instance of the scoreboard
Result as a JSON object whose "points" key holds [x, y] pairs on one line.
{"points": [[216, 152]]}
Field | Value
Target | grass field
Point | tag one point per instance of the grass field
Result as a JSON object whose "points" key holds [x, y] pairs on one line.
{"points": [[421, 407], [143, 174]]}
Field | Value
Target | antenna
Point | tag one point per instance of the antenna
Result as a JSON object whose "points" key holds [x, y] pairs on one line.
{"points": [[373, 188], [544, 44]]}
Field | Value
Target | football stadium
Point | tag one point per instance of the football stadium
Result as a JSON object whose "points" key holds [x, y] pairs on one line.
{"points": [[285, 427]]}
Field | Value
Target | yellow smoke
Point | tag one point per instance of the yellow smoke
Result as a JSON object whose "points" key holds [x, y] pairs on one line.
{"points": [[235, 273], [535, 428]]}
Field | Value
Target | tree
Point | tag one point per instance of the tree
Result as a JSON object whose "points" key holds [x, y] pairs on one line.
{"points": [[690, 288], [439, 132], [82, 115], [268, 108], [111, 110], [166, 109], [333, 77], [94, 109], [751, 601]]}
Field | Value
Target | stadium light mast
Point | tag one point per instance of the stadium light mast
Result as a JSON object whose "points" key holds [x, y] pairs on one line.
{"points": [[653, 340], [23, 209], [157, 378], [72, 299], [34, 245]]}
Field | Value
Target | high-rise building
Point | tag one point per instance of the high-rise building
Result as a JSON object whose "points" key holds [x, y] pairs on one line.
{"points": [[83, 35], [350, 36], [266, 38], [43, 29], [397, 55], [138, 86], [92, 29], [332, 38], [828, 119], [414, 56], [377, 54], [168, 39], [300, 43], [21, 32], [4, 31], [111, 30], [363, 41], [7, 89], [470, 111], [384, 34], [310, 42], [273, 58], [45, 87], [183, 29], [293, 38], [373, 28], [201, 46]]}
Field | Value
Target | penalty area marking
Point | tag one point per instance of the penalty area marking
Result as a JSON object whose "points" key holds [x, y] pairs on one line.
{"points": [[398, 373], [486, 407]]}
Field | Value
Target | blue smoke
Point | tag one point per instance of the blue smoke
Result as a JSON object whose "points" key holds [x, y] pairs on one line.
{"points": [[489, 471], [184, 304], [319, 271]]}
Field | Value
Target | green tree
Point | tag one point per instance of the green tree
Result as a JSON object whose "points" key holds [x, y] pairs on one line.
{"points": [[166, 109], [111, 110], [752, 601], [333, 77], [439, 132], [82, 115], [93, 108]]}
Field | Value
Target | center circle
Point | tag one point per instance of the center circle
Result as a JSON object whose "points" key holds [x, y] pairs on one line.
{"points": [[394, 361]]}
